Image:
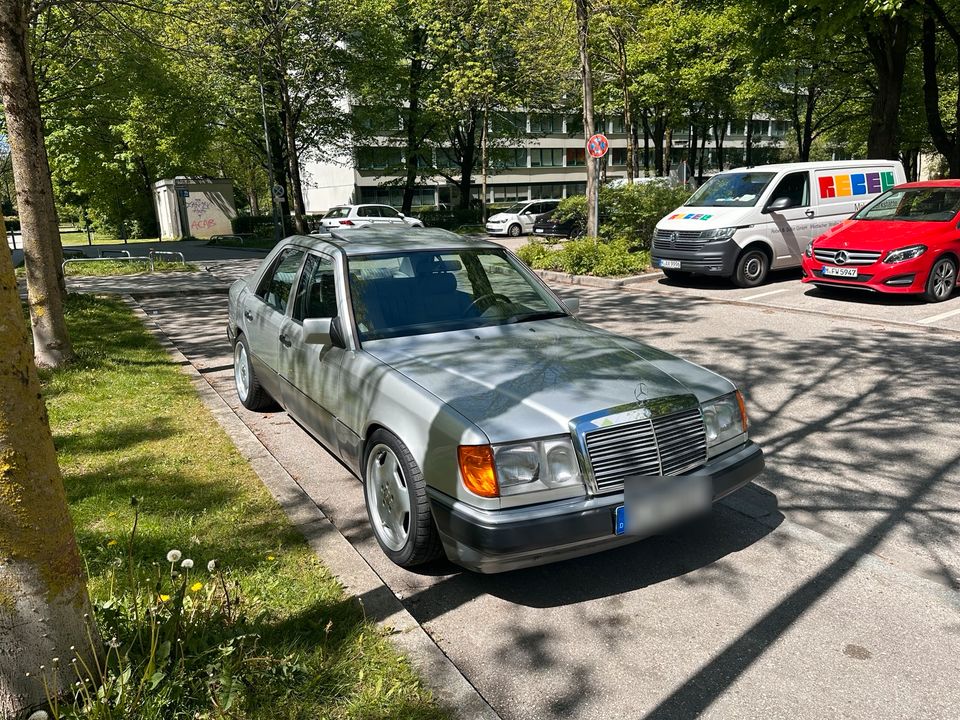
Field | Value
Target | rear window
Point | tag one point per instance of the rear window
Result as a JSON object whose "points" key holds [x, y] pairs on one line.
{"points": [[337, 212]]}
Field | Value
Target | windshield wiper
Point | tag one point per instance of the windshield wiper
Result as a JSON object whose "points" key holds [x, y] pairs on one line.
{"points": [[542, 315]]}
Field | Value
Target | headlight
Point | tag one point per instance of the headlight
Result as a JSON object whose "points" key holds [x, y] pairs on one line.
{"points": [[905, 253], [718, 234], [544, 466], [725, 418], [809, 251]]}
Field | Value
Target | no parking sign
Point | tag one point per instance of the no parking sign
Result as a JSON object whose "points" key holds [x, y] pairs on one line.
{"points": [[597, 145]]}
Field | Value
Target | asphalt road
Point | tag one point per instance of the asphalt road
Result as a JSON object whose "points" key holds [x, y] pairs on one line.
{"points": [[830, 588]]}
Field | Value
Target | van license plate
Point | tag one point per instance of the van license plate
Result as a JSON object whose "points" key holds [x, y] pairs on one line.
{"points": [[670, 264], [840, 272], [538, 230]]}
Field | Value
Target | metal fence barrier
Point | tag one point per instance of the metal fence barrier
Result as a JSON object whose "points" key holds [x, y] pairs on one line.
{"points": [[133, 258], [114, 253], [161, 254], [225, 238]]}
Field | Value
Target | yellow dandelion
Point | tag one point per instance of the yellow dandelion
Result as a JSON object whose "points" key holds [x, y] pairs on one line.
{"points": [[270, 557], [196, 586], [164, 598], [111, 543]]}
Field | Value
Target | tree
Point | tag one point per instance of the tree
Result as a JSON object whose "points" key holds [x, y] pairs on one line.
{"points": [[584, 12], [44, 606], [31, 174], [945, 16]]}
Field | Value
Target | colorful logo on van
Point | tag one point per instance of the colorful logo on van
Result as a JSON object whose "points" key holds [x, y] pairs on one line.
{"points": [[689, 216], [855, 184]]}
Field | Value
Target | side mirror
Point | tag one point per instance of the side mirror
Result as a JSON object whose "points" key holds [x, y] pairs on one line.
{"points": [[401, 215], [572, 306], [316, 331], [781, 203]]}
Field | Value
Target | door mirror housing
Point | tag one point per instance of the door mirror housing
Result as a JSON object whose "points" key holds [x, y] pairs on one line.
{"points": [[781, 203], [572, 306], [316, 331]]}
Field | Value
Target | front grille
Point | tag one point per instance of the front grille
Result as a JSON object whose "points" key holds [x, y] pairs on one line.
{"points": [[665, 445], [854, 257], [686, 240]]}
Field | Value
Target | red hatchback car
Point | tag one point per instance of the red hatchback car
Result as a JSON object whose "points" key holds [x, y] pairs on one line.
{"points": [[905, 241]]}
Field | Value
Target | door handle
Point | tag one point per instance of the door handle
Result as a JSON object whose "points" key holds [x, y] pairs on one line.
{"points": [[248, 315], [285, 341], [809, 213]]}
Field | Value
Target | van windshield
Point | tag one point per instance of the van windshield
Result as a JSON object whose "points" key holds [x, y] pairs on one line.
{"points": [[736, 189], [929, 204]]}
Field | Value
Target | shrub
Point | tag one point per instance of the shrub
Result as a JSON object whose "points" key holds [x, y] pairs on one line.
{"points": [[587, 256]]}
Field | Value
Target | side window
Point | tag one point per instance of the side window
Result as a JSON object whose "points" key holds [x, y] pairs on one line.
{"points": [[795, 186], [367, 211], [317, 293], [276, 285], [388, 212]]}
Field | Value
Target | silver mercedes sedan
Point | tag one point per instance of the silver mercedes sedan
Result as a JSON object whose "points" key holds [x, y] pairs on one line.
{"points": [[486, 422]]}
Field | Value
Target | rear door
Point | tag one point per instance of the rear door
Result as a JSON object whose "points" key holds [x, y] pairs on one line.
{"points": [[791, 228], [264, 312], [310, 374]]}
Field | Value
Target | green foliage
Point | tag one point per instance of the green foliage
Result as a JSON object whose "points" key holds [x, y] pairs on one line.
{"points": [[288, 643], [587, 256]]}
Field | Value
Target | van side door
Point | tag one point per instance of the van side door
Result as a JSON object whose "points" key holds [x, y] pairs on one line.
{"points": [[791, 216]]}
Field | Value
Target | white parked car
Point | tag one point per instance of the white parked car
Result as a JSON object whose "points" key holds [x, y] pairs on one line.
{"points": [[519, 219], [348, 217]]}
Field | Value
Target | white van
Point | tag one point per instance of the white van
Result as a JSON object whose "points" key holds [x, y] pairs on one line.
{"points": [[743, 223]]}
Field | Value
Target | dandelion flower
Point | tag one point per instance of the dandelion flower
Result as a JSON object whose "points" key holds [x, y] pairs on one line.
{"points": [[111, 543], [211, 566], [270, 557], [196, 586], [173, 556], [164, 598], [187, 564]]}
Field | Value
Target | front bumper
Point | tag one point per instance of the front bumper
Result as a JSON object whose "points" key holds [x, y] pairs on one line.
{"points": [[712, 258], [496, 228], [904, 278], [491, 541]]}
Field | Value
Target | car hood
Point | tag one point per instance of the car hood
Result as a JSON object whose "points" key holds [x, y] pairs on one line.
{"points": [[880, 234], [530, 379], [704, 218]]}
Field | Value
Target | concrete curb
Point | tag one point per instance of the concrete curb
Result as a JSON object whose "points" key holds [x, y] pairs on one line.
{"points": [[379, 603], [598, 282]]}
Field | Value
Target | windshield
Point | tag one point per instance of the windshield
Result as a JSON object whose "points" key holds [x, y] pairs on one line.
{"points": [[929, 204], [515, 209], [739, 189], [417, 292]]}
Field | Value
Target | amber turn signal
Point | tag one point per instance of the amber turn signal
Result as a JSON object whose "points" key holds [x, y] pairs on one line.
{"points": [[743, 410], [477, 470]]}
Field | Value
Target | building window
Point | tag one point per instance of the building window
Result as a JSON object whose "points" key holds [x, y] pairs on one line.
{"points": [[616, 125], [545, 124], [509, 123], [576, 189], [618, 156], [575, 125], [546, 191], [509, 158], [393, 195], [379, 158], [509, 193], [576, 156], [546, 157]]}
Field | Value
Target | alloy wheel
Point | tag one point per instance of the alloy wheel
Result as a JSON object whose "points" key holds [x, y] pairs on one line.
{"points": [[388, 497]]}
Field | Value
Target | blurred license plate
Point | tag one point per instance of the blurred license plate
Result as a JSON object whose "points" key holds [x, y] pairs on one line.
{"points": [[670, 264], [653, 504], [840, 272], [538, 230]]}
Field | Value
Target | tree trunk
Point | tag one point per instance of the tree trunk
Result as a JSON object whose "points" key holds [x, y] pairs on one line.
{"points": [[888, 42], [719, 134], [586, 77], [945, 143], [625, 91], [748, 148], [484, 160], [659, 130], [418, 37], [254, 197], [293, 161], [31, 174], [667, 150], [43, 592]]}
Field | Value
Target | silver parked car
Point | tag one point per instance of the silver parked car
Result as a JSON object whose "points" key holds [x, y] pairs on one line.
{"points": [[485, 420], [352, 217]]}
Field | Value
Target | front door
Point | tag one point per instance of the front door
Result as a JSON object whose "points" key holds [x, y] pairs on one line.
{"points": [[792, 228], [264, 313], [310, 373]]}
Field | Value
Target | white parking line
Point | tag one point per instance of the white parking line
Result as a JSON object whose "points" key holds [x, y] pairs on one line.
{"points": [[772, 292], [941, 316]]}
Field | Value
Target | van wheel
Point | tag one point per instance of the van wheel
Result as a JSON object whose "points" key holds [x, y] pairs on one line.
{"points": [[942, 281], [752, 268], [515, 230]]}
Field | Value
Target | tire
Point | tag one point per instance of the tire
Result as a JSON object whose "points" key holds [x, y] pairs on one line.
{"points": [[514, 230], [396, 499], [942, 281], [752, 268], [675, 274], [251, 393]]}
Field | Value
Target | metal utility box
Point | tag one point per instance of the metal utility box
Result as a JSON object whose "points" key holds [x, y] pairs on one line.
{"points": [[194, 207]]}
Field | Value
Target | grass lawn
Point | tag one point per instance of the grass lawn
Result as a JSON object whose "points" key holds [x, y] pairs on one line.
{"points": [[69, 236], [127, 423], [125, 267]]}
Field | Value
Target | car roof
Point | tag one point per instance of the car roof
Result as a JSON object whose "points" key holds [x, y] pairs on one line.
{"points": [[372, 240], [945, 183], [827, 165]]}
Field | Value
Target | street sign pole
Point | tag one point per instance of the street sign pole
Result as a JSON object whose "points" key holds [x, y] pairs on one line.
{"points": [[597, 147]]}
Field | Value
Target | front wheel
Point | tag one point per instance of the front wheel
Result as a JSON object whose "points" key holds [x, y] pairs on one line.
{"points": [[251, 393], [752, 268], [514, 230], [397, 505], [942, 280]]}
